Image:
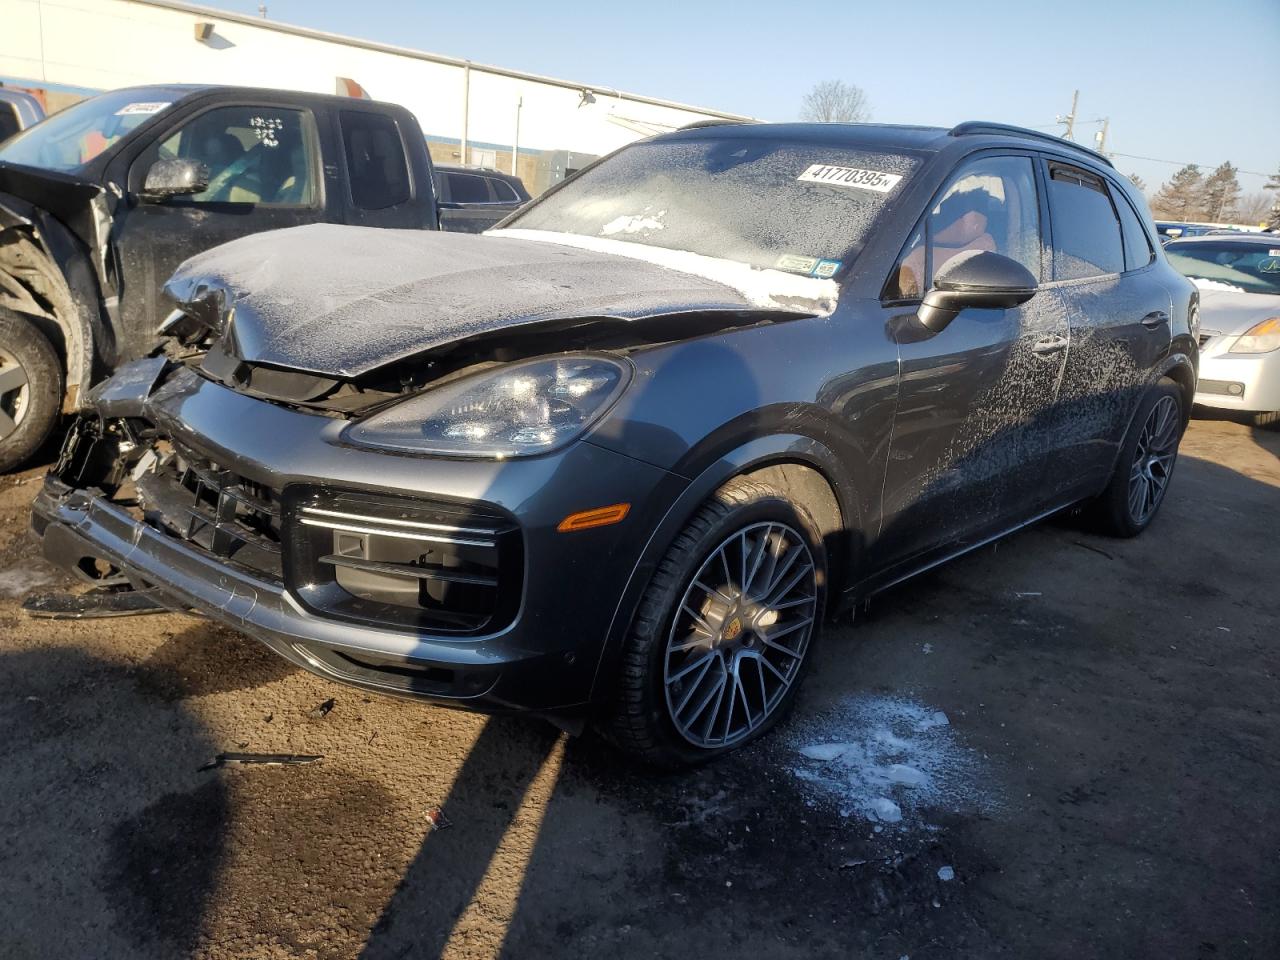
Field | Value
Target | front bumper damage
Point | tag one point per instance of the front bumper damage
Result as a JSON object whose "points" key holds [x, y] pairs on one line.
{"points": [[531, 642]]}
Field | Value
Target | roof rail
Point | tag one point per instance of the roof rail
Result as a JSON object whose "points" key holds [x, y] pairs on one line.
{"points": [[970, 127], [699, 124]]}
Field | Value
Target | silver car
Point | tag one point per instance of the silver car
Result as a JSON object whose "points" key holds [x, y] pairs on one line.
{"points": [[1239, 281]]}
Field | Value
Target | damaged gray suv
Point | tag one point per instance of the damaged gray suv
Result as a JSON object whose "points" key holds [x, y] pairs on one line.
{"points": [[617, 460]]}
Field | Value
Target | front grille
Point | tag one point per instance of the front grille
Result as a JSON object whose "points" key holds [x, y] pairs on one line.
{"points": [[1207, 335], [446, 568], [208, 506]]}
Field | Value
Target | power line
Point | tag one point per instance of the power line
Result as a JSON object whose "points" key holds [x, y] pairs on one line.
{"points": [[1181, 163]]}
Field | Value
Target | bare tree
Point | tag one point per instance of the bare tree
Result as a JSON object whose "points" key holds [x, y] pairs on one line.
{"points": [[1138, 182], [834, 101], [1253, 208]]}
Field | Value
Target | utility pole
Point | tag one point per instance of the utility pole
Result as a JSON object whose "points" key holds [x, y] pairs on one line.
{"points": [[1101, 136], [1070, 118], [515, 147]]}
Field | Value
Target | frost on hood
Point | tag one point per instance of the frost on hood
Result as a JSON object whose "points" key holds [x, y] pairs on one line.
{"points": [[766, 289], [886, 759], [343, 300]]}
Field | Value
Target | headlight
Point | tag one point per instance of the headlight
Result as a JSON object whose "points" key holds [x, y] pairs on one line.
{"points": [[1260, 338], [513, 411]]}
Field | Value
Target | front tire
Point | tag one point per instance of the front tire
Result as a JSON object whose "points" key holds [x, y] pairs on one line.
{"points": [[31, 385], [722, 636], [1145, 465]]}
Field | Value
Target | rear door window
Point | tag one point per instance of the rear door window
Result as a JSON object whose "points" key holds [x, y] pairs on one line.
{"points": [[1137, 248], [376, 164], [1086, 228], [468, 188]]}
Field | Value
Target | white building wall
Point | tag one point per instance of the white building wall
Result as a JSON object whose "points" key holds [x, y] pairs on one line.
{"points": [[103, 44]]}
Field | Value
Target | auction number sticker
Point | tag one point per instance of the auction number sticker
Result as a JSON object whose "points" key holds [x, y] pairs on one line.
{"points": [[850, 177], [133, 109]]}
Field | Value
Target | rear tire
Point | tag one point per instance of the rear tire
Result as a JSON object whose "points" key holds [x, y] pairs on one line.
{"points": [[1145, 465], [31, 389], [721, 603]]}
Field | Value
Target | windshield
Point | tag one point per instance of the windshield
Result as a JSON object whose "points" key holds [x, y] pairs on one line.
{"points": [[797, 207], [72, 137], [1244, 267]]}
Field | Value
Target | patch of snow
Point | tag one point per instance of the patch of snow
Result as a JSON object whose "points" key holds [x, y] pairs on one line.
{"points": [[1204, 283], [946, 873], [16, 582], [824, 751], [907, 776], [888, 760], [886, 810], [767, 289], [633, 224]]}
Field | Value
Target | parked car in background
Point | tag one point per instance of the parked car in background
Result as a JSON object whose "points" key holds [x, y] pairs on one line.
{"points": [[1239, 281], [483, 196], [99, 204], [18, 110], [619, 459]]}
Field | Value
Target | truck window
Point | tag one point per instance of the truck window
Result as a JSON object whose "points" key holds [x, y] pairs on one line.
{"points": [[255, 154], [8, 120], [468, 188], [503, 191], [376, 163]]}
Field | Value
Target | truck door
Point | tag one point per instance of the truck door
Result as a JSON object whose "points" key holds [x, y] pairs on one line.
{"points": [[264, 174]]}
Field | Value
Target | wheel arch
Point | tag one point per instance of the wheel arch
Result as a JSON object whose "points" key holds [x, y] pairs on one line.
{"points": [[799, 465], [63, 301]]}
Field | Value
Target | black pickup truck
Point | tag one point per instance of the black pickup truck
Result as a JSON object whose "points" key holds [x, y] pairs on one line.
{"points": [[101, 202]]}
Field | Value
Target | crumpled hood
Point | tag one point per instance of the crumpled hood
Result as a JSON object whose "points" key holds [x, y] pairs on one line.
{"points": [[1229, 312], [340, 301]]}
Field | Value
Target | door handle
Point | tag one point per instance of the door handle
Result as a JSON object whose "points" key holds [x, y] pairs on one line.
{"points": [[1155, 319], [1049, 346]]}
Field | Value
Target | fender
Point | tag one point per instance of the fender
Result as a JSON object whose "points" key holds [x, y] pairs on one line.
{"points": [[76, 319], [1177, 366], [754, 454]]}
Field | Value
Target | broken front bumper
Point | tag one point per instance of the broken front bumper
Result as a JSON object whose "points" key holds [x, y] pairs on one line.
{"points": [[542, 655]]}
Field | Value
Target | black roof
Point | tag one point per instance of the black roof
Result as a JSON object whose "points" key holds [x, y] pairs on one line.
{"points": [[883, 135], [179, 91]]}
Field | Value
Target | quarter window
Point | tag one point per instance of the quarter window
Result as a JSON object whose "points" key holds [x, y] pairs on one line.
{"points": [[8, 121], [1086, 230], [468, 188], [255, 154], [376, 163], [990, 204], [1137, 248], [503, 192]]}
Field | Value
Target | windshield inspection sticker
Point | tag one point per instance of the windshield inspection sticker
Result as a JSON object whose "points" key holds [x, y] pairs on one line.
{"points": [[132, 109], [794, 263], [826, 269], [850, 177]]}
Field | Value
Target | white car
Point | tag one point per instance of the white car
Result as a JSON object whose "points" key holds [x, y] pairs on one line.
{"points": [[1239, 281]]}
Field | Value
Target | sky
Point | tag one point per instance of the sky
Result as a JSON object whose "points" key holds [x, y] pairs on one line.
{"points": [[1180, 81]]}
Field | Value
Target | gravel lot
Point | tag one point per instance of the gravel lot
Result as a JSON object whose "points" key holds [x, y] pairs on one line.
{"points": [[1081, 737]]}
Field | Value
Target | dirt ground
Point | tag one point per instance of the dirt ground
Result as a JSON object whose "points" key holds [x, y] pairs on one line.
{"points": [[1100, 777]]}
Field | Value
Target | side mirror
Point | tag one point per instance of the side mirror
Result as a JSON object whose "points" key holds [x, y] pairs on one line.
{"points": [[174, 178], [976, 278]]}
